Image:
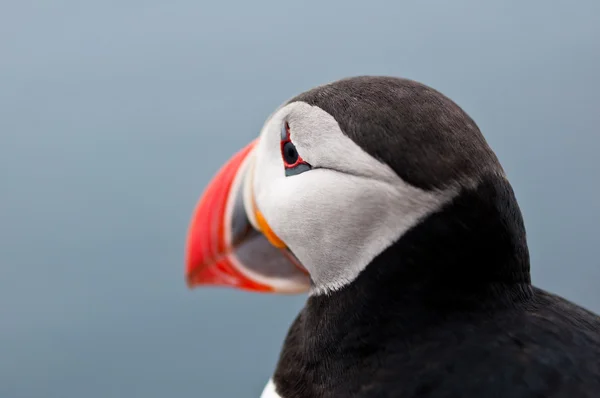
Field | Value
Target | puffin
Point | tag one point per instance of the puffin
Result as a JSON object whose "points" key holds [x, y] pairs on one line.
{"points": [[379, 198]]}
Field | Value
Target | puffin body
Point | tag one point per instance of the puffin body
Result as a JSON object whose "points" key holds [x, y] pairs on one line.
{"points": [[380, 197]]}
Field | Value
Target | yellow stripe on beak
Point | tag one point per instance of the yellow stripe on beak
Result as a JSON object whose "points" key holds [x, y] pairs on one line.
{"points": [[267, 231]]}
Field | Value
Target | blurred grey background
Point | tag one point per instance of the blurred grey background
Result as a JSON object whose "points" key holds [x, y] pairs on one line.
{"points": [[115, 114]]}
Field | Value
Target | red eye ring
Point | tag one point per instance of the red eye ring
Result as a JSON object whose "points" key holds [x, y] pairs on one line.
{"points": [[291, 157]]}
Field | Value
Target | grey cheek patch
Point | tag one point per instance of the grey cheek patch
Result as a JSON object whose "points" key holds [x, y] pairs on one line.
{"points": [[301, 168]]}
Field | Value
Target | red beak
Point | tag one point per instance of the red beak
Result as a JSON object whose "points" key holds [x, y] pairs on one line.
{"points": [[224, 249]]}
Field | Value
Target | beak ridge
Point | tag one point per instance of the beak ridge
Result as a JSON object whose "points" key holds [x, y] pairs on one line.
{"points": [[224, 249]]}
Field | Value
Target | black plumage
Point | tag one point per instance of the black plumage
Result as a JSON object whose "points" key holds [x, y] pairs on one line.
{"points": [[449, 309]]}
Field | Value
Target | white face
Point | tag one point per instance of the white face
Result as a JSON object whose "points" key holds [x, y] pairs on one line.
{"points": [[337, 217]]}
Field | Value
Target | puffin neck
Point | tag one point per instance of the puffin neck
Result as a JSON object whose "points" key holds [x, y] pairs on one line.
{"points": [[473, 252], [471, 255], [463, 263]]}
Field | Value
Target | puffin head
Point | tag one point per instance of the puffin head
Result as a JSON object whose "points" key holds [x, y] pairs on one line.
{"points": [[337, 175]]}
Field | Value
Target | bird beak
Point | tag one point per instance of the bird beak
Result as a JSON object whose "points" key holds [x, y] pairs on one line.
{"points": [[225, 248]]}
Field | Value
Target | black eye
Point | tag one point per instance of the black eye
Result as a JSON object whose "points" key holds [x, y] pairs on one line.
{"points": [[290, 154], [293, 162]]}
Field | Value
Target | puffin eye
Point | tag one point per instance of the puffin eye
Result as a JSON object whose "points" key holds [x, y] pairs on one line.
{"points": [[290, 154], [292, 161]]}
